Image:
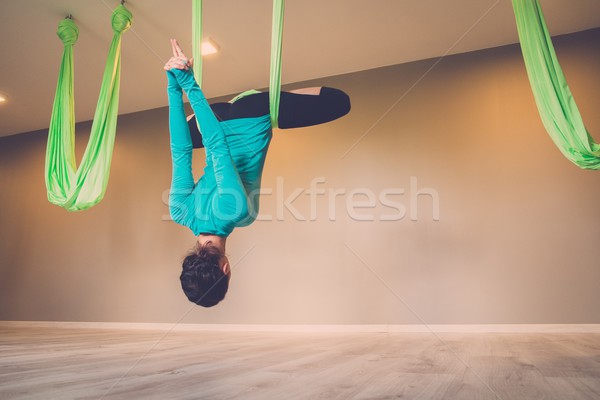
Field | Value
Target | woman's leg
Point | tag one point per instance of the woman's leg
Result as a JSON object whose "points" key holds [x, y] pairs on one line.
{"points": [[296, 110], [182, 180]]}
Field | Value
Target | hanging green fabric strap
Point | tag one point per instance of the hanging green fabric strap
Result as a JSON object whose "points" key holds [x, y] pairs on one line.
{"points": [[555, 102], [275, 76], [276, 39], [68, 186], [197, 39]]}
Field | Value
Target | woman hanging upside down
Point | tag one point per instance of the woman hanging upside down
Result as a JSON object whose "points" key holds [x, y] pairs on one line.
{"points": [[236, 137]]}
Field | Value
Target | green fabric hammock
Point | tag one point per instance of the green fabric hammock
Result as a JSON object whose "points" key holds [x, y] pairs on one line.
{"points": [[68, 186], [555, 102], [276, 39]]}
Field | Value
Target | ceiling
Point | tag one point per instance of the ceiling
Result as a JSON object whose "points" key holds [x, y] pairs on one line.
{"points": [[321, 38]]}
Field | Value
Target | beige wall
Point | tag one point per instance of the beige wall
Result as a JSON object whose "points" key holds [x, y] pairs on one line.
{"points": [[516, 240]]}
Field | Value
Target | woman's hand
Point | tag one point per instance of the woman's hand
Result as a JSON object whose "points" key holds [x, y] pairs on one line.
{"points": [[179, 60]]}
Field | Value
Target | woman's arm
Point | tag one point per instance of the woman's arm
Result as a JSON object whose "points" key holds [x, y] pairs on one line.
{"points": [[181, 143], [182, 180], [230, 206]]}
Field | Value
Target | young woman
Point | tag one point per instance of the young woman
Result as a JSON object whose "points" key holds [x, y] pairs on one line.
{"points": [[236, 137]]}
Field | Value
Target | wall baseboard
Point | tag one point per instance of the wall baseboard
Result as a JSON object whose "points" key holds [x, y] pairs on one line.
{"points": [[417, 328]]}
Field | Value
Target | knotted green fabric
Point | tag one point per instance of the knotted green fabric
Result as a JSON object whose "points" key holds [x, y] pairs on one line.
{"points": [[555, 102], [68, 186]]}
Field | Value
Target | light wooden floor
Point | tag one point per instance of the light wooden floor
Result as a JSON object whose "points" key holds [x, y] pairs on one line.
{"points": [[50, 363]]}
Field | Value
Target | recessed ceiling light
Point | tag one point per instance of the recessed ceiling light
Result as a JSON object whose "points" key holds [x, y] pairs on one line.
{"points": [[209, 47], [2, 98]]}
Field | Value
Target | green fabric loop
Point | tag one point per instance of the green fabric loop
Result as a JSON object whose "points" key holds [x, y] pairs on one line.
{"points": [[68, 186], [121, 19], [554, 100], [68, 32], [276, 40], [275, 75]]}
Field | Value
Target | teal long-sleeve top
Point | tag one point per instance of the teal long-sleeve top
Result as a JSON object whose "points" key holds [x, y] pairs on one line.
{"points": [[227, 195]]}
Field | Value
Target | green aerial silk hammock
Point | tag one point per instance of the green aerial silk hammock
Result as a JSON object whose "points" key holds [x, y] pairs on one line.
{"points": [[68, 186], [276, 39], [555, 102]]}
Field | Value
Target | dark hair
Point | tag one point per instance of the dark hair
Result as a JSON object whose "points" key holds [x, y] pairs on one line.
{"points": [[202, 280]]}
